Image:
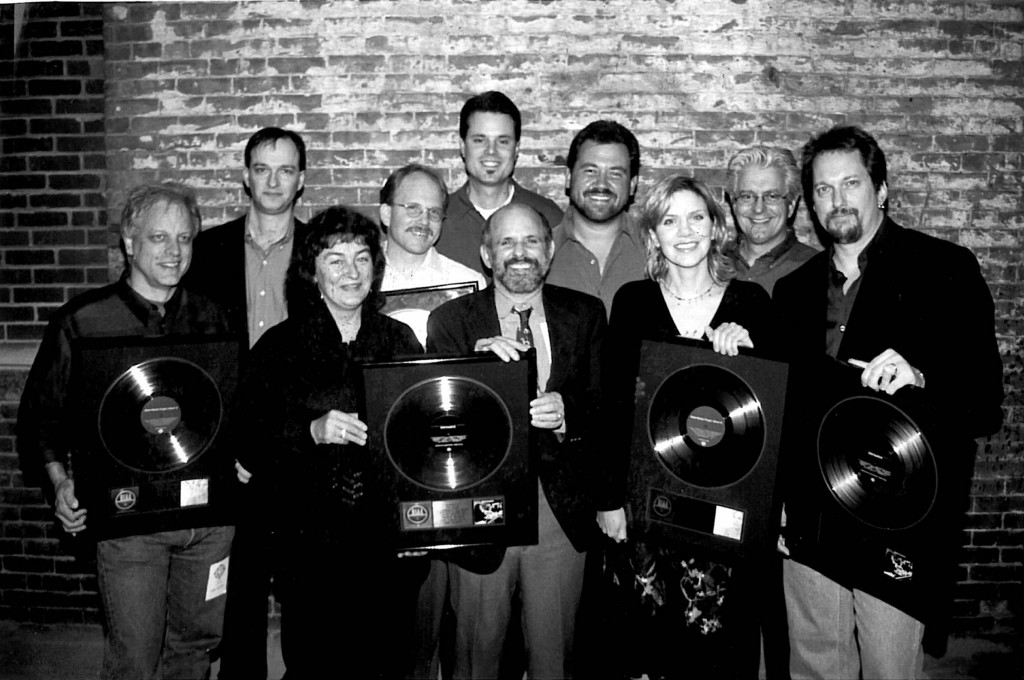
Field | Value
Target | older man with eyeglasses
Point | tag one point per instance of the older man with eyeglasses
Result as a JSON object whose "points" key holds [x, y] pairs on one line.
{"points": [[763, 188], [413, 201]]}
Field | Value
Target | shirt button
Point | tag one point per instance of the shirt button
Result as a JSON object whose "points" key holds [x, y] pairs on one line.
{"points": [[593, 261], [260, 324], [262, 293], [264, 263], [842, 328]]}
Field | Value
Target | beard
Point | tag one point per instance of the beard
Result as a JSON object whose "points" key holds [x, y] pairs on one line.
{"points": [[599, 212], [844, 225], [521, 281]]}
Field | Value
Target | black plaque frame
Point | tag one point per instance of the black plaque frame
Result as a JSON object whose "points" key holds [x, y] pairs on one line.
{"points": [[912, 567], [426, 518], [124, 500], [740, 518]]}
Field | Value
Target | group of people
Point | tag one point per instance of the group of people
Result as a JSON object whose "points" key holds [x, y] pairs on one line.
{"points": [[582, 289]]}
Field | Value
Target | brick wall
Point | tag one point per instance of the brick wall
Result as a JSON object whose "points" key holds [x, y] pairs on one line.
{"points": [[373, 85], [53, 245]]}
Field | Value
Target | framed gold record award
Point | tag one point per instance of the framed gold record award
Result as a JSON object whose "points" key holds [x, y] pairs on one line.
{"points": [[151, 417], [879, 488], [453, 450], [706, 436]]}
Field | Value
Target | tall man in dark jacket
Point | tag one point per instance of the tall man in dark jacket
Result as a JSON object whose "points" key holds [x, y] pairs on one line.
{"points": [[918, 314], [567, 330], [242, 265]]}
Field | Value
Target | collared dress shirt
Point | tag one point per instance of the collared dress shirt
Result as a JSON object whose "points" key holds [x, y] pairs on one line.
{"points": [[575, 267], [264, 272], [773, 265], [436, 270]]}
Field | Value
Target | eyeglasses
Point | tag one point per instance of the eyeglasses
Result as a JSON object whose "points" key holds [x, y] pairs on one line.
{"points": [[747, 199], [415, 210]]}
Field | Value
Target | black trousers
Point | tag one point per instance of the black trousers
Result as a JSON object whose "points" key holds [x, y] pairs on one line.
{"points": [[243, 648]]}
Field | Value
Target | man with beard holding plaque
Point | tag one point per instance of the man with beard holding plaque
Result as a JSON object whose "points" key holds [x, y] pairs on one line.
{"points": [[163, 593], [567, 330], [597, 246], [879, 296]]}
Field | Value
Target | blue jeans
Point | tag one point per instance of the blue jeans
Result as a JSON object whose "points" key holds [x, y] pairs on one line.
{"points": [[835, 632], [159, 622]]}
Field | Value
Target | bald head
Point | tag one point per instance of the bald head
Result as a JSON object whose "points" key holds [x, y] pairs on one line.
{"points": [[517, 247]]}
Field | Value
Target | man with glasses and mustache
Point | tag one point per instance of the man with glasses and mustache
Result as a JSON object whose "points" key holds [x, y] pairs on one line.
{"points": [[597, 248], [413, 201], [490, 127], [763, 189], [916, 313], [566, 328]]}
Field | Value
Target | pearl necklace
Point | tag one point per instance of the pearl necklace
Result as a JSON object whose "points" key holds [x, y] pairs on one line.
{"points": [[692, 298]]}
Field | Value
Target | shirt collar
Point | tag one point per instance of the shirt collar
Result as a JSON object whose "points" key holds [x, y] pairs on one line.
{"points": [[504, 305], [768, 258], [627, 226], [459, 202], [145, 309], [288, 234]]}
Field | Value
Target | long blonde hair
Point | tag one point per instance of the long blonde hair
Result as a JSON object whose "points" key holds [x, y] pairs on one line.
{"points": [[653, 207]]}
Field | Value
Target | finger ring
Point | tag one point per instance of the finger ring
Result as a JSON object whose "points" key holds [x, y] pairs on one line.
{"points": [[342, 433]]}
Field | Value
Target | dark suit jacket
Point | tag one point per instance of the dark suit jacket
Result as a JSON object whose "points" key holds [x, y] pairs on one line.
{"points": [[218, 270], [926, 299], [923, 297], [576, 325]]}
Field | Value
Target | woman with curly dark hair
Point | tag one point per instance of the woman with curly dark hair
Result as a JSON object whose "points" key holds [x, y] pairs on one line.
{"points": [[343, 591]]}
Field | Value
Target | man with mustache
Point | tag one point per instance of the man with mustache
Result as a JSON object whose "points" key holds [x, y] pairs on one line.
{"points": [[917, 312], [763, 188], [413, 202], [490, 127], [242, 265], [566, 328], [163, 591], [597, 248]]}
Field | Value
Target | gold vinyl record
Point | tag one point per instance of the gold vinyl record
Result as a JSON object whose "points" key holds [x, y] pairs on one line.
{"points": [[448, 433], [706, 425], [877, 463], [160, 415]]}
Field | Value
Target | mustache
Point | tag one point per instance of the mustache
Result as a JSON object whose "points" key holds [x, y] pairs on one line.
{"points": [[521, 260], [842, 212], [599, 192]]}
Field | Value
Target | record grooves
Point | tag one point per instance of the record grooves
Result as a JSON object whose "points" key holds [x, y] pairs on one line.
{"points": [[448, 433], [706, 426], [160, 415], [877, 463]]}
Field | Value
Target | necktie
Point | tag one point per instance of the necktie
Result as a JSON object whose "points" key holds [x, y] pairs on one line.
{"points": [[524, 334]]}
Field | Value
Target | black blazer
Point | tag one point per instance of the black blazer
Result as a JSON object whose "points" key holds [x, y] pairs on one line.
{"points": [[923, 297], [576, 325], [218, 270]]}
